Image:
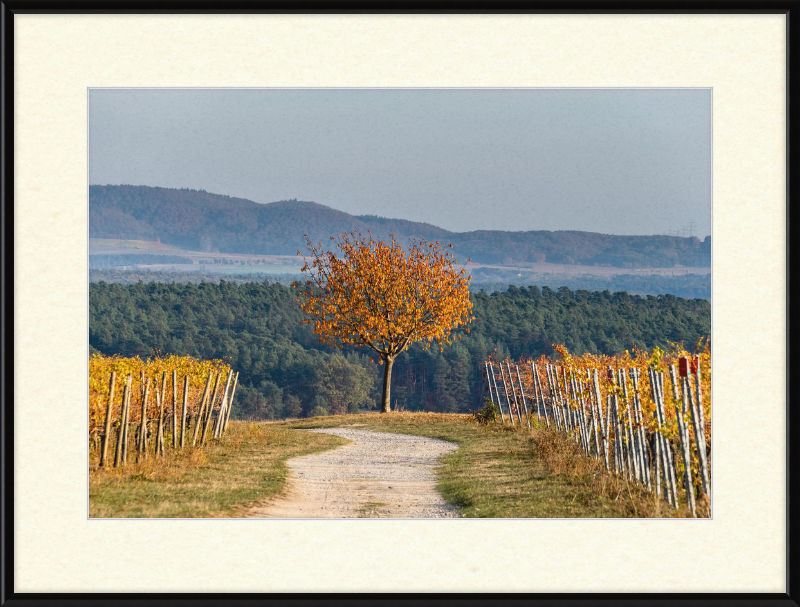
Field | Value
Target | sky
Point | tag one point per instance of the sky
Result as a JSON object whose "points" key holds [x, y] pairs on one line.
{"points": [[616, 161]]}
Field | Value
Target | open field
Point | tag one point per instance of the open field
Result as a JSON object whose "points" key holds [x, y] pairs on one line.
{"points": [[115, 245], [107, 246], [290, 264], [578, 270], [497, 472], [223, 269]]}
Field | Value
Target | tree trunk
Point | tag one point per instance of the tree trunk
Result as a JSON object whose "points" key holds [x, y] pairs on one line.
{"points": [[387, 384]]}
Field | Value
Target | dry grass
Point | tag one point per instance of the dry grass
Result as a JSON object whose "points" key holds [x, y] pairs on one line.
{"points": [[219, 480], [564, 457]]}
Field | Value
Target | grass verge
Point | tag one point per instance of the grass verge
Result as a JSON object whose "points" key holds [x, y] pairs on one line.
{"points": [[220, 480]]}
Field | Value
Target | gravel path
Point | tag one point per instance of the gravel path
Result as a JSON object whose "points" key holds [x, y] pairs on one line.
{"points": [[377, 475]]}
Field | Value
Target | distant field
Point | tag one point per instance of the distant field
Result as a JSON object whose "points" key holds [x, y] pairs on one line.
{"points": [[225, 269], [487, 272], [226, 263], [140, 245], [290, 264], [127, 277]]}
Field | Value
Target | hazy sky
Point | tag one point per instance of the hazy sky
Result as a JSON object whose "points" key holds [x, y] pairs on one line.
{"points": [[618, 161]]}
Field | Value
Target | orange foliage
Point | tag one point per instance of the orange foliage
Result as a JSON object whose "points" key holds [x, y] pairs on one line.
{"points": [[378, 295]]}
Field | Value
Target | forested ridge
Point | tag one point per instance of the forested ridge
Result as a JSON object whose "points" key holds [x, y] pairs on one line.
{"points": [[199, 220], [285, 371]]}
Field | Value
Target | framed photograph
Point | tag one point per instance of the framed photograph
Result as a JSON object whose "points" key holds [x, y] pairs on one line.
{"points": [[88, 92]]}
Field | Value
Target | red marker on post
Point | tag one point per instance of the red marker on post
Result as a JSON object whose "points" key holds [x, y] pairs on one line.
{"points": [[683, 366], [695, 364]]}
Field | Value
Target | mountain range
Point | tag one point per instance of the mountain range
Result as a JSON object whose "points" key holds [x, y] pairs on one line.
{"points": [[200, 221]]}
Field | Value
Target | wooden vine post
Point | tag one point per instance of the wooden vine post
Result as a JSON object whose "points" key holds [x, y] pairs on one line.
{"points": [[553, 404], [159, 446], [505, 391], [595, 428], [499, 404], [587, 427], [183, 414], [174, 408], [538, 395], [143, 422], [579, 414], [555, 398], [513, 391], [210, 409], [489, 382], [699, 433], [657, 441], [522, 393], [126, 397], [641, 435], [603, 426], [631, 460], [107, 429], [226, 402], [670, 454], [578, 402], [201, 409], [685, 448], [619, 462], [223, 407], [163, 404], [126, 425], [564, 411], [230, 402], [699, 392]]}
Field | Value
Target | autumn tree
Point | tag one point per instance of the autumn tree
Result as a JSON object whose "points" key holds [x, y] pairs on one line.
{"points": [[376, 294]]}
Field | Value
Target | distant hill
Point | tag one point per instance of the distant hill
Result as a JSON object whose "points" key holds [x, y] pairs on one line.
{"points": [[200, 221]]}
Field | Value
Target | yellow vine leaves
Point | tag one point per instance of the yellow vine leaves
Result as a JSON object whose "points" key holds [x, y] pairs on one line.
{"points": [[153, 369], [583, 367], [379, 295]]}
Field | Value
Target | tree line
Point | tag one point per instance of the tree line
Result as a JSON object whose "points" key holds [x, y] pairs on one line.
{"points": [[286, 372], [688, 286]]}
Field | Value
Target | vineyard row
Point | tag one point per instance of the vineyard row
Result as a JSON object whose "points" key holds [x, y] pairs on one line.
{"points": [[656, 437], [143, 412]]}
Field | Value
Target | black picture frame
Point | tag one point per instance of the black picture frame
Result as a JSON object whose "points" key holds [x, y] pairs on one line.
{"points": [[8, 595]]}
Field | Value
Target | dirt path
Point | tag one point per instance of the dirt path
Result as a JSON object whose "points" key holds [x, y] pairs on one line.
{"points": [[377, 475]]}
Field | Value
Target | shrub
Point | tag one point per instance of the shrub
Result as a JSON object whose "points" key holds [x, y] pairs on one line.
{"points": [[487, 414]]}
